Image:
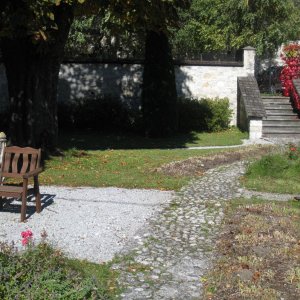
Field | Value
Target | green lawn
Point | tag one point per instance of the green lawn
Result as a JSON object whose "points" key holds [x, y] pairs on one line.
{"points": [[120, 168], [90, 140], [274, 173], [97, 160]]}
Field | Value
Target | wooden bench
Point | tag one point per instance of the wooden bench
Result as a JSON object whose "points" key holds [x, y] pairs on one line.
{"points": [[21, 163]]}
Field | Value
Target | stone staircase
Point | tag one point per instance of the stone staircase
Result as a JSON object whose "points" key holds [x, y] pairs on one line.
{"points": [[281, 121]]}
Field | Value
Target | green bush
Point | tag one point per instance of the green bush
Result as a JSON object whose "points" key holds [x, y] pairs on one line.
{"points": [[204, 115], [40, 272], [110, 114]]}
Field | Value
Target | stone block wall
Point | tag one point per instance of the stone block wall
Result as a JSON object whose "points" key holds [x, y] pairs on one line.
{"points": [[87, 80], [215, 80]]}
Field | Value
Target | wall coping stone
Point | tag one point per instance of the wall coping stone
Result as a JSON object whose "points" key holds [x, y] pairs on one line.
{"points": [[249, 48], [142, 62], [251, 95]]}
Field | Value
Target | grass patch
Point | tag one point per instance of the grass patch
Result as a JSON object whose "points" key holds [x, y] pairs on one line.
{"points": [[120, 168], [41, 272], [274, 173], [97, 160], [259, 252], [90, 140]]}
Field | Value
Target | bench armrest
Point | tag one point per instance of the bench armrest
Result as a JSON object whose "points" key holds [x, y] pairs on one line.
{"points": [[32, 173]]}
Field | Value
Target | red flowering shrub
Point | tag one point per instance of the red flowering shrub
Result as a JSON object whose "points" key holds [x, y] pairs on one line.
{"points": [[291, 70]]}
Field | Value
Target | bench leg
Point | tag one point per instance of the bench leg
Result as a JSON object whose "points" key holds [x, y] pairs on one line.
{"points": [[37, 195], [1, 203], [24, 200]]}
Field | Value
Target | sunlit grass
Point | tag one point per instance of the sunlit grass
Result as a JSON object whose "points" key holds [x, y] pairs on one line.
{"points": [[120, 168], [93, 159], [91, 140], [274, 173]]}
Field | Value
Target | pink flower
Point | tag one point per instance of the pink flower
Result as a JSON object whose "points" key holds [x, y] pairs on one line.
{"points": [[24, 242], [26, 237], [27, 233]]}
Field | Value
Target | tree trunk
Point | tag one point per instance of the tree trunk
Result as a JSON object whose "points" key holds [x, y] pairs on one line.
{"points": [[159, 95], [32, 71]]}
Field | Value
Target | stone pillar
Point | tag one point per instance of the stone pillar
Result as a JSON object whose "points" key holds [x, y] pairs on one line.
{"points": [[255, 129], [249, 60]]}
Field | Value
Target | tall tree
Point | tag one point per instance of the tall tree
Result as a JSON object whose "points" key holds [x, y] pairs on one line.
{"points": [[159, 96], [33, 34]]}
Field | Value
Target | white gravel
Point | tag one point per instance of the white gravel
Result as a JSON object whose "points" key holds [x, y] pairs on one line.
{"points": [[86, 223]]}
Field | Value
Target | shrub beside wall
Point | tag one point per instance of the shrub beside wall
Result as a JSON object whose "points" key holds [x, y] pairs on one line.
{"points": [[204, 115], [110, 114]]}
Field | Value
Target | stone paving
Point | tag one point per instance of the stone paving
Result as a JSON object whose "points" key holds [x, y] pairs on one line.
{"points": [[170, 255]]}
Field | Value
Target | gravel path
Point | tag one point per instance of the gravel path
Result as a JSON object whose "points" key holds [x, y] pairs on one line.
{"points": [[87, 223]]}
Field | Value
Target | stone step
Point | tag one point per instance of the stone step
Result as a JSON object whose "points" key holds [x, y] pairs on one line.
{"points": [[281, 120], [282, 117], [278, 106], [281, 130], [281, 135], [280, 112], [293, 123], [275, 99]]}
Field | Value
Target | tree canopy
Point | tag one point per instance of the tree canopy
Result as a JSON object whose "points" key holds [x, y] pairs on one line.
{"points": [[33, 34], [213, 25]]}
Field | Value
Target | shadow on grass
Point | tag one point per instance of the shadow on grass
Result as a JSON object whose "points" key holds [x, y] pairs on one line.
{"points": [[91, 140]]}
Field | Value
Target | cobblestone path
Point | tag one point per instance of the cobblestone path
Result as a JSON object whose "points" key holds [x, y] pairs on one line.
{"points": [[169, 257]]}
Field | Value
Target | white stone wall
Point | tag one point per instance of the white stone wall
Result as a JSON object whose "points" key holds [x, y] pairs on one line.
{"points": [[215, 81], [79, 81]]}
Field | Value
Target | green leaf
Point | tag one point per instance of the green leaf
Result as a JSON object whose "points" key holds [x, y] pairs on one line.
{"points": [[51, 16]]}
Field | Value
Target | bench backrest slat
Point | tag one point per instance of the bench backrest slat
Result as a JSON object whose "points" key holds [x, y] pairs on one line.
{"points": [[18, 161], [34, 162], [14, 165], [6, 162], [25, 163]]}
